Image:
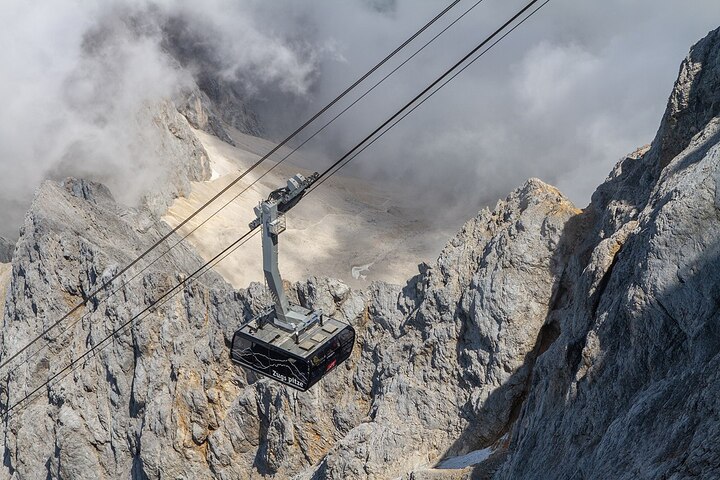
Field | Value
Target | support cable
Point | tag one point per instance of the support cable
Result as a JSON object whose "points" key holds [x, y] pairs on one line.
{"points": [[245, 189], [122, 271], [441, 82]]}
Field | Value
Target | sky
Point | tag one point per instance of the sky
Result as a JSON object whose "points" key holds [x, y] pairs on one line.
{"points": [[563, 98]]}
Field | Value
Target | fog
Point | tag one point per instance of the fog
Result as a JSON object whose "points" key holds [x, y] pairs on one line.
{"points": [[562, 99], [74, 108], [81, 78]]}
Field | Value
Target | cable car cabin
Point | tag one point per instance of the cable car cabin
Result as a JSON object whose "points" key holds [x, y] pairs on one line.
{"points": [[300, 362], [289, 343]]}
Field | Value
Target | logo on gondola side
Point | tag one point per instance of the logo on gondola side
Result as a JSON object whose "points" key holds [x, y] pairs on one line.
{"points": [[286, 379]]}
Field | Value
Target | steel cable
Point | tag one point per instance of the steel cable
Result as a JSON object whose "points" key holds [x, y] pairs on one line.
{"points": [[411, 106]]}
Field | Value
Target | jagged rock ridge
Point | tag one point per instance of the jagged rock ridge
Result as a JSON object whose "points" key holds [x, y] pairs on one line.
{"points": [[627, 390], [172, 370]]}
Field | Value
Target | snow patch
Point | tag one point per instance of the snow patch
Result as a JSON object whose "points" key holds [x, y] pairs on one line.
{"points": [[357, 271], [467, 460]]}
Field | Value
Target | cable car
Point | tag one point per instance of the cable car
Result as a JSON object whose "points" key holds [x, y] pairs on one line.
{"points": [[274, 352], [291, 344]]}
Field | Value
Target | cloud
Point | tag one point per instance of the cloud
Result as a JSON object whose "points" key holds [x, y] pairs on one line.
{"points": [[563, 98], [550, 74], [76, 82], [81, 78], [244, 41]]}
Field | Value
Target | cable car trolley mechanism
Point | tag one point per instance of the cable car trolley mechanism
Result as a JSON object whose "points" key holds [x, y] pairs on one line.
{"points": [[288, 343]]}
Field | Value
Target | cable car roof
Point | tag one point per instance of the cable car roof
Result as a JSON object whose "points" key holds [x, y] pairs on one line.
{"points": [[281, 339]]}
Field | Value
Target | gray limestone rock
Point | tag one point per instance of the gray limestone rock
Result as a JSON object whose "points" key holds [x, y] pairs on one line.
{"points": [[228, 103], [445, 361], [6, 250], [695, 100], [196, 107], [628, 388], [181, 157], [162, 399], [159, 399], [219, 97], [95, 417]]}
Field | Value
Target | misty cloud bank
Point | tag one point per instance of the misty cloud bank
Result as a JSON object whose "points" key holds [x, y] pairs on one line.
{"points": [[576, 88], [82, 81], [563, 98]]}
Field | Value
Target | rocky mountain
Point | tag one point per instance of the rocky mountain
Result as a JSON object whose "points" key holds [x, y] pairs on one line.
{"points": [[628, 388], [218, 99], [181, 156], [562, 343]]}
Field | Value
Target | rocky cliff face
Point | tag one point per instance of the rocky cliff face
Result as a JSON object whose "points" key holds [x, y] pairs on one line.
{"points": [[163, 399], [182, 158], [6, 250], [218, 98], [446, 360], [573, 344], [627, 389]]}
